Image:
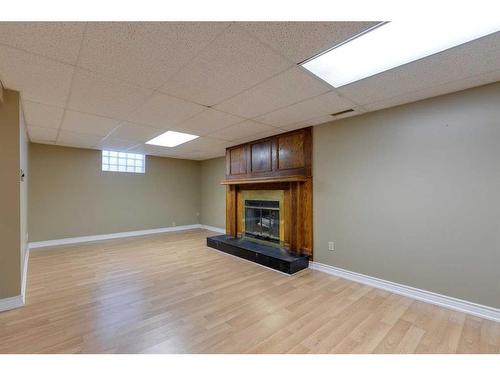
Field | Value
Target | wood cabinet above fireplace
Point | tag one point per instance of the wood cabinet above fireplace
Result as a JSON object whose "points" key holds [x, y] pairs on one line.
{"points": [[284, 157], [266, 168]]}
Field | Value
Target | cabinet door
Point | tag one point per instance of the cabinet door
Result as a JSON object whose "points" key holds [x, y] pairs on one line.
{"points": [[237, 161], [291, 151], [261, 156]]}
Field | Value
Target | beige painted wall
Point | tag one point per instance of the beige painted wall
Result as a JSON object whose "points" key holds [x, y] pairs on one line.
{"points": [[10, 211], [24, 144], [412, 194], [70, 196], [212, 193]]}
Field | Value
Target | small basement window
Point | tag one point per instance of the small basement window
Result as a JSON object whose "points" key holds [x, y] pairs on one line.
{"points": [[113, 161]]}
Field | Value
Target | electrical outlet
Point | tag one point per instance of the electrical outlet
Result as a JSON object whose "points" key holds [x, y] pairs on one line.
{"points": [[331, 246]]}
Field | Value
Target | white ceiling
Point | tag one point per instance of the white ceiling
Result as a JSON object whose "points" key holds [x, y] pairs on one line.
{"points": [[116, 85]]}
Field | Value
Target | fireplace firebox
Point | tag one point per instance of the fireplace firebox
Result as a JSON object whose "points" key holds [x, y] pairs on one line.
{"points": [[262, 219]]}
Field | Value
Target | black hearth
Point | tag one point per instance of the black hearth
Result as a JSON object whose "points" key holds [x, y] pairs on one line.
{"points": [[271, 256]]}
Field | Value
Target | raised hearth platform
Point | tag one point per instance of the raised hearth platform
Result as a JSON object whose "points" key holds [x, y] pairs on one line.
{"points": [[273, 257]]}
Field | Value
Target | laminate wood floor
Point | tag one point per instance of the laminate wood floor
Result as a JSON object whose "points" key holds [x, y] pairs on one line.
{"points": [[169, 293]]}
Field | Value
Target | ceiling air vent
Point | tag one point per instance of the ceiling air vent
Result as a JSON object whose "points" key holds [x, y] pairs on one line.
{"points": [[342, 112]]}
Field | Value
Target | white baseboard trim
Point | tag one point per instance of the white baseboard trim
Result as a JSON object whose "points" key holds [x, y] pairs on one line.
{"points": [[17, 301], [452, 303], [214, 229], [11, 303], [100, 237]]}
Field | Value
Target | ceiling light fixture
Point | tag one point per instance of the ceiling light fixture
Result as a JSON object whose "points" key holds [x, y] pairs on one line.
{"points": [[171, 139], [391, 44]]}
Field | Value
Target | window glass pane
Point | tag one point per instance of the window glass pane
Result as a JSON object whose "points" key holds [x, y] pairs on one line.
{"points": [[122, 162]]}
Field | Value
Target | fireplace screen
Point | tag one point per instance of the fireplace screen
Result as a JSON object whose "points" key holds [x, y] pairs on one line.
{"points": [[262, 219]]}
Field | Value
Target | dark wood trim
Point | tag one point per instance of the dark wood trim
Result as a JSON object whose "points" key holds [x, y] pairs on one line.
{"points": [[231, 210], [257, 180]]}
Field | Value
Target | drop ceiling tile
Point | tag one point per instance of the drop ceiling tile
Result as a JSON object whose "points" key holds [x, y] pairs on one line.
{"points": [[201, 144], [207, 121], [242, 130], [137, 133], [467, 60], [115, 144], [92, 93], [207, 155], [37, 78], [321, 105], [39, 134], [42, 115], [323, 119], [152, 150], [86, 123], [259, 135], [310, 122], [68, 138], [146, 53], [299, 41], [286, 88], [235, 61], [200, 148], [213, 155], [164, 111], [57, 40], [437, 90]]}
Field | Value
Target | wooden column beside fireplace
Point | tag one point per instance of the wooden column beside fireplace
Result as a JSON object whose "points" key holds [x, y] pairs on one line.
{"points": [[280, 163]]}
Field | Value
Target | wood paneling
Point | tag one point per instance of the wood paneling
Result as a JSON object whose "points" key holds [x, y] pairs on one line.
{"points": [[261, 156], [291, 151], [287, 154], [169, 293], [238, 160], [231, 209], [306, 221]]}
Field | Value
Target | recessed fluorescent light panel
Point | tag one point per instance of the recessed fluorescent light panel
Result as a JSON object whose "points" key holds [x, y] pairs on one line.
{"points": [[392, 44], [171, 139]]}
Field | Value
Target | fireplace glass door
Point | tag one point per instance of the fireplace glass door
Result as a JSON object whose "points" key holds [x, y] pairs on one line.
{"points": [[262, 219]]}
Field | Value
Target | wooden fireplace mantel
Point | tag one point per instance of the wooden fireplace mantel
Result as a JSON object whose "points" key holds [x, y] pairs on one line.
{"points": [[257, 180], [282, 162]]}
